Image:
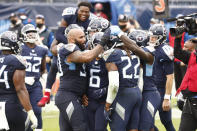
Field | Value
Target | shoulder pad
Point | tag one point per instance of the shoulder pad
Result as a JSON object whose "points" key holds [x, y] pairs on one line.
{"points": [[150, 48], [107, 53], [21, 59], [168, 50], [43, 46], [69, 11], [70, 47]]}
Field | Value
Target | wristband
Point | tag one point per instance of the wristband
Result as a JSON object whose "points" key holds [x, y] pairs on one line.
{"points": [[167, 96]]}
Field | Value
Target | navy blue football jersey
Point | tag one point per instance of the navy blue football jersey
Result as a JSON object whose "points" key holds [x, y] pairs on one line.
{"points": [[98, 76], [34, 57], [149, 74], [70, 16], [163, 63], [128, 67], [72, 75], [8, 65]]}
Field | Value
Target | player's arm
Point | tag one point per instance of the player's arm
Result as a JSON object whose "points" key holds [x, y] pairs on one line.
{"points": [[23, 95], [54, 47], [166, 102], [85, 56], [131, 45], [43, 65], [60, 32], [19, 84], [113, 86]]}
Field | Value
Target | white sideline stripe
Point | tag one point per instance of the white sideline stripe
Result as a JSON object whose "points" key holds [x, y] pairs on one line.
{"points": [[70, 109], [120, 110]]}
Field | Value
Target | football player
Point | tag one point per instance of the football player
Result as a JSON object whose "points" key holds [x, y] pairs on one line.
{"points": [[36, 66], [163, 66], [53, 70], [13, 93], [97, 88], [123, 97], [73, 79], [150, 96], [98, 77], [80, 16]]}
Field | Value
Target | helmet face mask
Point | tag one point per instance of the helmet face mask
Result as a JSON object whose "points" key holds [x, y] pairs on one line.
{"points": [[9, 42], [29, 33]]}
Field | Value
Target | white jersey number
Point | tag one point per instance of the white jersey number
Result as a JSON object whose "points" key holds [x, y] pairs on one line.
{"points": [[124, 70], [5, 76], [95, 78], [33, 67]]}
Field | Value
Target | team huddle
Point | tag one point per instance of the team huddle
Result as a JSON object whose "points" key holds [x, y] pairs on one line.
{"points": [[106, 76]]}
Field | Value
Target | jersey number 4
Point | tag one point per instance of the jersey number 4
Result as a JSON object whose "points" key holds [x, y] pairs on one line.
{"points": [[5, 76]]}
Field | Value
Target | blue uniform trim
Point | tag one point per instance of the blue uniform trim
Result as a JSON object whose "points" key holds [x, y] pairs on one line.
{"points": [[72, 66], [149, 70]]}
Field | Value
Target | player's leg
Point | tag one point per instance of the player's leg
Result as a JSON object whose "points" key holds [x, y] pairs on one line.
{"points": [[100, 121], [35, 96], [134, 120], [16, 117], [91, 110], [123, 108], [150, 105], [166, 118]]}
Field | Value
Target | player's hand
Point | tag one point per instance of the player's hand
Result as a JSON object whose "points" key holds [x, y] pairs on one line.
{"points": [[100, 92], [33, 119], [85, 100], [166, 105], [107, 113], [59, 46], [106, 37]]}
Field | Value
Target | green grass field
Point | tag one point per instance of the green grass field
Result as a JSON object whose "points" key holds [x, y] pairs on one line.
{"points": [[50, 122]]}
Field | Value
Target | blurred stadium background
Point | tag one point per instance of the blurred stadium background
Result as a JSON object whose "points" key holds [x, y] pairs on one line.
{"points": [[142, 10]]}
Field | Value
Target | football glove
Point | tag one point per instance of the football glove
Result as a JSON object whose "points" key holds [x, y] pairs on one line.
{"points": [[33, 119], [107, 114], [45, 99], [100, 92]]}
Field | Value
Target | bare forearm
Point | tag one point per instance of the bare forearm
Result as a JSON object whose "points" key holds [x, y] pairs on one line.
{"points": [[24, 99], [169, 83], [131, 45], [88, 56]]}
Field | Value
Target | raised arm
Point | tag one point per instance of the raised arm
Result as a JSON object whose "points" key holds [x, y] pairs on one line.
{"points": [[131, 45]]}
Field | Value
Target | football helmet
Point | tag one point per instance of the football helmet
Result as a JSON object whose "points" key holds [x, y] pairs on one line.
{"points": [[29, 33], [97, 25], [157, 33], [8, 41], [95, 39], [140, 37]]}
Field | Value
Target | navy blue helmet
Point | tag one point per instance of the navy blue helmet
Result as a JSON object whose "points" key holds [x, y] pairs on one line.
{"points": [[140, 37], [8, 41], [95, 39], [98, 25], [157, 31]]}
